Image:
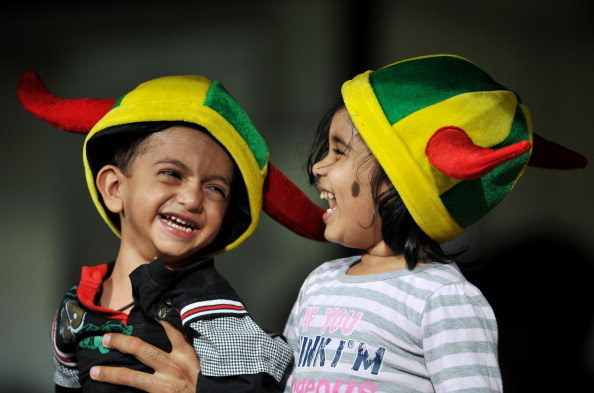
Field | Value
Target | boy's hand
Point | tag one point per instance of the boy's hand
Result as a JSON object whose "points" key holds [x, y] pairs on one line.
{"points": [[175, 372]]}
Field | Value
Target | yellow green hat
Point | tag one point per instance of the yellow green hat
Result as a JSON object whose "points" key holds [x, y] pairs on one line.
{"points": [[197, 100], [452, 140], [189, 99]]}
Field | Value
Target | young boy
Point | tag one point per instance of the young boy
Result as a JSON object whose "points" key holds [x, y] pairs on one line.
{"points": [[176, 169]]}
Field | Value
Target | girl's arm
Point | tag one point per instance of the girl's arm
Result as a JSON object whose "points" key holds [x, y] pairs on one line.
{"points": [[460, 340]]}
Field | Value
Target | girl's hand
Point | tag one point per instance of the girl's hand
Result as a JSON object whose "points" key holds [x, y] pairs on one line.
{"points": [[175, 372]]}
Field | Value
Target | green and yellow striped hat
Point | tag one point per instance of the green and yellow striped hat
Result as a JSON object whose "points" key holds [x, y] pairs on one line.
{"points": [[452, 140], [180, 100], [197, 100]]}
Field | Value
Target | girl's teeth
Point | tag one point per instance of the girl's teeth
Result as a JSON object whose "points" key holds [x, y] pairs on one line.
{"points": [[329, 210]]}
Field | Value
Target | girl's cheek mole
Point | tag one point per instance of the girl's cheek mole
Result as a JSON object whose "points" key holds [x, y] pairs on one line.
{"points": [[355, 189]]}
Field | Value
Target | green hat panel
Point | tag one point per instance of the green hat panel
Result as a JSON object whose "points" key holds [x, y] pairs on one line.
{"points": [[411, 85], [192, 99], [223, 103]]}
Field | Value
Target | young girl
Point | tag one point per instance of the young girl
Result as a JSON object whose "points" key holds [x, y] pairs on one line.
{"points": [[420, 150]]}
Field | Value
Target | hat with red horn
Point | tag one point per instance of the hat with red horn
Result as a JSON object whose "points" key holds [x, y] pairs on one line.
{"points": [[190, 99], [452, 140]]}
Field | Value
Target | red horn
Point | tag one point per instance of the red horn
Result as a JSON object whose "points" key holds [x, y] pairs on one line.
{"points": [[288, 205], [550, 155], [74, 114], [452, 152]]}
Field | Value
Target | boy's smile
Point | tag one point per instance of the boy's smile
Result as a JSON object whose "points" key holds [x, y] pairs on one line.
{"points": [[344, 180], [175, 223], [175, 196]]}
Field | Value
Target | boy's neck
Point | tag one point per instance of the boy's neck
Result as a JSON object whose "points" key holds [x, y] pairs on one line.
{"points": [[116, 290]]}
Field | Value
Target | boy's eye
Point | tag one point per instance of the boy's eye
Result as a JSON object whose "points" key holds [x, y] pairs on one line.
{"points": [[219, 191], [171, 173]]}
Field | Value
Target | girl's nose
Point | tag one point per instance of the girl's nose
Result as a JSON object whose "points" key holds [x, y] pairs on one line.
{"points": [[320, 168]]}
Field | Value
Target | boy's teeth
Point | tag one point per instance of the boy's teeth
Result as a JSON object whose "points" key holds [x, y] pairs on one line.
{"points": [[179, 223], [185, 229]]}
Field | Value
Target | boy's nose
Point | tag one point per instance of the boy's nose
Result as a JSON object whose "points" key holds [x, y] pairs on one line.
{"points": [[190, 198]]}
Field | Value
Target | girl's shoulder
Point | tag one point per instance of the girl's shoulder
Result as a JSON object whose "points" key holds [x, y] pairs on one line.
{"points": [[334, 266], [434, 276], [443, 272], [444, 280]]}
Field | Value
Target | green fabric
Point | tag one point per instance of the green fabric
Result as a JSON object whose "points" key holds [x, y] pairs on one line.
{"points": [[222, 102], [406, 87], [119, 101], [469, 201]]}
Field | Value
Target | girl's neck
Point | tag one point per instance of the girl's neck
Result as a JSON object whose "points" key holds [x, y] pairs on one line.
{"points": [[378, 259]]}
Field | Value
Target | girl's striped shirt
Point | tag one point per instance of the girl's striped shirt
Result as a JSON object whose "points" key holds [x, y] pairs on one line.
{"points": [[425, 330]]}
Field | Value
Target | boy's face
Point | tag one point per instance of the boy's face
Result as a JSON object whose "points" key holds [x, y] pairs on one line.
{"points": [[176, 195], [344, 179]]}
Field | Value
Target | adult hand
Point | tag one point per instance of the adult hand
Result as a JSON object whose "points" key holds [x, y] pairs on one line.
{"points": [[175, 372]]}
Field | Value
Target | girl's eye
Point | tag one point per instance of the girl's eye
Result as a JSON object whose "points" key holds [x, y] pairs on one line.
{"points": [[171, 173], [338, 152]]}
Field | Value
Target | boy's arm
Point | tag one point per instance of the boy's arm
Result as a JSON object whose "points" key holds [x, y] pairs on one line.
{"points": [[61, 389], [175, 371], [230, 345], [236, 355], [237, 352], [63, 346], [460, 341], [256, 383]]}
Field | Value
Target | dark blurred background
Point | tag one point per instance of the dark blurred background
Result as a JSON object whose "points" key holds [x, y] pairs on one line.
{"points": [[284, 61]]}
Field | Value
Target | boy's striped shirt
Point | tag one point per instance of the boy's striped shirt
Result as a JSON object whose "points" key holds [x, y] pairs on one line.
{"points": [[209, 308]]}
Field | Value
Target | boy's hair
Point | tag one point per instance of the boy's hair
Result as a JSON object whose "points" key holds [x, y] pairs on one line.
{"points": [[121, 145], [399, 230]]}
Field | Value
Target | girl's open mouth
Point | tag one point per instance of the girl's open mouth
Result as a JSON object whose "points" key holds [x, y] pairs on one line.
{"points": [[329, 196]]}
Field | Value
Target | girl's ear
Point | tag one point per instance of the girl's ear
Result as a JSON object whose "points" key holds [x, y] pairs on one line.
{"points": [[109, 183]]}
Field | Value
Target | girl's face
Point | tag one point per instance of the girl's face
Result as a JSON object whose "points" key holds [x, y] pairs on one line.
{"points": [[344, 179]]}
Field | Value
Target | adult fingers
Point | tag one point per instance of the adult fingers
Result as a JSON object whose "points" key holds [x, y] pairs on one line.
{"points": [[148, 354], [124, 376], [184, 361], [177, 340]]}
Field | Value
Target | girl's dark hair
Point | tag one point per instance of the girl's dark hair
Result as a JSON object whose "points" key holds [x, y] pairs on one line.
{"points": [[399, 230], [120, 145]]}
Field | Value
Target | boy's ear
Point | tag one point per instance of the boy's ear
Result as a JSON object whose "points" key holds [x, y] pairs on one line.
{"points": [[109, 184]]}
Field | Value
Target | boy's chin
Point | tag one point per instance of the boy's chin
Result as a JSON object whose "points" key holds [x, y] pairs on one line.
{"points": [[176, 262]]}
